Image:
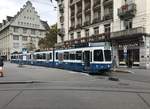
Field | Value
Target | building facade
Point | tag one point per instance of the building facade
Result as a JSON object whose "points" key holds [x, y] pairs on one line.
{"points": [[123, 23], [21, 31]]}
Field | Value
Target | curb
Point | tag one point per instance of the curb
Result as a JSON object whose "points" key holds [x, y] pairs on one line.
{"points": [[16, 82], [123, 71]]}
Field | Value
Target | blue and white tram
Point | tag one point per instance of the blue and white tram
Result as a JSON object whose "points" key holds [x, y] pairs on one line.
{"points": [[86, 59], [91, 59], [16, 58], [43, 58]]}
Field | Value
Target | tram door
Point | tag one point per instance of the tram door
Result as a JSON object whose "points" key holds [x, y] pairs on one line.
{"points": [[86, 60]]}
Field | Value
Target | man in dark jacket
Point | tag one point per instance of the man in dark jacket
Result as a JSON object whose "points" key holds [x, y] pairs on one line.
{"points": [[1, 66]]}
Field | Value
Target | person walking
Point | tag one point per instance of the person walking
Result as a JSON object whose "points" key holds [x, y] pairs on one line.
{"points": [[114, 63], [1, 67]]}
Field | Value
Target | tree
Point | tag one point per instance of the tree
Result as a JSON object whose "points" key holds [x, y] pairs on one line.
{"points": [[50, 39]]}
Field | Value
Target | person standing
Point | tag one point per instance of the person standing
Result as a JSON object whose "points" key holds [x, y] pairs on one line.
{"points": [[1, 66]]}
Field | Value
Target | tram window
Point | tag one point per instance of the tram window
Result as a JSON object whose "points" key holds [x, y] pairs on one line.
{"points": [[39, 56], [50, 56], [78, 55], [72, 56], [34, 56], [20, 56], [56, 55], [29, 56], [66, 55], [98, 55], [44, 56], [107, 54], [47, 57], [60, 57]]}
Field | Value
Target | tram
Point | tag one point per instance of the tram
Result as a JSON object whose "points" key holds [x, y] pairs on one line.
{"points": [[89, 59]]}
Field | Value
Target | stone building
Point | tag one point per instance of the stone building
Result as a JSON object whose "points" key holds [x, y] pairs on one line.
{"points": [[123, 23], [21, 31]]}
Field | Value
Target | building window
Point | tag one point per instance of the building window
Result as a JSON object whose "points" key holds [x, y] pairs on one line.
{"points": [[24, 38], [16, 45], [128, 24], [78, 34], [15, 37], [72, 36], [16, 29], [24, 30], [33, 31], [107, 28], [96, 30], [87, 33]]}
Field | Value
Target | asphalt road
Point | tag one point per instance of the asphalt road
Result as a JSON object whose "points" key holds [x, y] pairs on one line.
{"points": [[32, 87]]}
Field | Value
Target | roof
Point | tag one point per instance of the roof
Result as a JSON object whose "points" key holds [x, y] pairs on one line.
{"points": [[9, 18], [45, 24]]}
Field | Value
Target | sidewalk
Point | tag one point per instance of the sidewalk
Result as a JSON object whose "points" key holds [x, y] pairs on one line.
{"points": [[133, 70]]}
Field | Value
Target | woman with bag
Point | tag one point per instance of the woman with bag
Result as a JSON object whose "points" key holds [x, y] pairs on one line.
{"points": [[1, 67]]}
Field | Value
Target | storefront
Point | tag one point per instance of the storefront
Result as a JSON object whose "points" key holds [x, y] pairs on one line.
{"points": [[131, 47]]}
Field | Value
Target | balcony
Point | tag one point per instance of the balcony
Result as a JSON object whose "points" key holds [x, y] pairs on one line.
{"points": [[107, 2], [129, 32], [127, 11]]}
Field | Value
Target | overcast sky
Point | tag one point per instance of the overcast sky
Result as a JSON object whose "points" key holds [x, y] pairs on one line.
{"points": [[44, 8]]}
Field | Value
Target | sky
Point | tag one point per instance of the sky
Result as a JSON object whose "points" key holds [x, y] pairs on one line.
{"points": [[45, 9]]}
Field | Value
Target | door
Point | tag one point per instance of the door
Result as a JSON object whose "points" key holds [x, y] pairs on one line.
{"points": [[86, 60]]}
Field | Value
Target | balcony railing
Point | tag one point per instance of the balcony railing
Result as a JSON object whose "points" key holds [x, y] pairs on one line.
{"points": [[127, 11], [129, 32]]}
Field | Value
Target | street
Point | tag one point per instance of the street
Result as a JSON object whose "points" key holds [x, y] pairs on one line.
{"points": [[33, 87]]}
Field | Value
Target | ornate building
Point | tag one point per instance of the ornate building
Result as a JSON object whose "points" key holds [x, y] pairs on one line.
{"points": [[124, 23], [21, 31]]}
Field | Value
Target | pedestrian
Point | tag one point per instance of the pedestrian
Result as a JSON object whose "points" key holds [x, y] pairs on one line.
{"points": [[114, 63], [1, 67]]}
